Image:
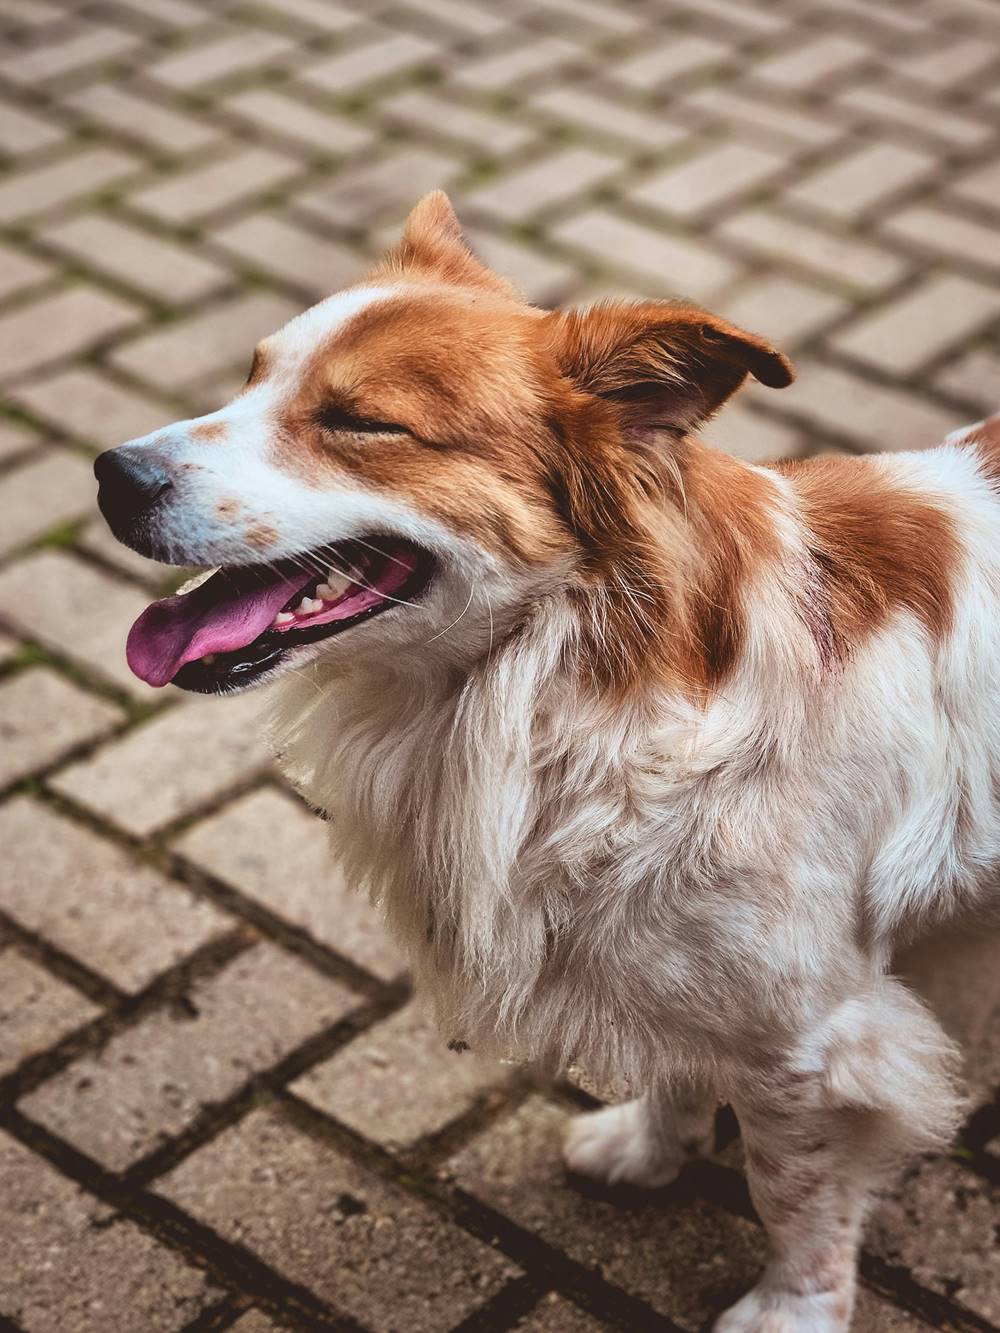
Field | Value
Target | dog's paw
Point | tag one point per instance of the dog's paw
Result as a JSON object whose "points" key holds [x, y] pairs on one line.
{"points": [[764, 1310], [616, 1147]]}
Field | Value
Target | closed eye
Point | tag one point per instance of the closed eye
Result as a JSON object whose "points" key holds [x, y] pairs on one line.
{"points": [[334, 417]]}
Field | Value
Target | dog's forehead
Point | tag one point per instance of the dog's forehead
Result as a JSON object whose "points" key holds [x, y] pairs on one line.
{"points": [[302, 337]]}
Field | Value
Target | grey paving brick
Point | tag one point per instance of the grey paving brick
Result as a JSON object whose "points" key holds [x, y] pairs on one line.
{"points": [[53, 327], [384, 1257], [555, 1314], [451, 119], [36, 1009], [352, 69], [872, 416], [15, 439], [844, 258], [200, 749], [70, 1264], [280, 113], [89, 406], [206, 189], [937, 232], [278, 854], [510, 68], [537, 274], [231, 54], [672, 59], [74, 610], [150, 1081], [385, 188], [43, 717], [23, 131], [784, 309], [815, 60], [863, 179], [166, 128], [951, 64], [749, 435], [399, 1081], [40, 188], [551, 180], [19, 271], [663, 262], [743, 116], [975, 376], [169, 272], [915, 114], [931, 318], [711, 178], [981, 186], [48, 490], [592, 113], [204, 343], [85, 895], [278, 247], [95, 44]]}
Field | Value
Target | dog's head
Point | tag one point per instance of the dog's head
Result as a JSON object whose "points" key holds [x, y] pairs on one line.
{"points": [[411, 464]]}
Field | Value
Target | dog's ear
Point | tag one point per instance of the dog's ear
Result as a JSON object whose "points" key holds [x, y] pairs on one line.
{"points": [[433, 245], [668, 366]]}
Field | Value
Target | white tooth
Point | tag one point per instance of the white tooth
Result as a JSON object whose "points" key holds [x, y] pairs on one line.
{"points": [[337, 582], [284, 618], [309, 606]]}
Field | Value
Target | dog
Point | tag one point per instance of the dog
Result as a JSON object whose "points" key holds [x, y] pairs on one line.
{"points": [[651, 756]]}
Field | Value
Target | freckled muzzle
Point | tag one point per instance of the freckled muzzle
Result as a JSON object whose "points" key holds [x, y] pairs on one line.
{"points": [[232, 629]]}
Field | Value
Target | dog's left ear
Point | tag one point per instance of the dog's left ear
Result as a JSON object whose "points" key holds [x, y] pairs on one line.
{"points": [[668, 366], [433, 245]]}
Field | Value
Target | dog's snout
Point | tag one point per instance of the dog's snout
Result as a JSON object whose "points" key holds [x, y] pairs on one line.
{"points": [[130, 482]]}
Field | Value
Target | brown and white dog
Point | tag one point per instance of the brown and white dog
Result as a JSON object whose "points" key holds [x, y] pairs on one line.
{"points": [[651, 756]]}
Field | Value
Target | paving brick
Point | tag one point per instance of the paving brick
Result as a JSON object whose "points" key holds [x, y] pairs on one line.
{"points": [[149, 1082], [168, 13], [352, 69], [841, 257], [945, 66], [278, 854], [91, 407], [323, 14], [205, 343], [87, 897], [920, 326], [208, 188], [475, 20], [935, 231], [917, 116], [280, 248], [941, 1226], [872, 416], [594, 114], [815, 61], [745, 116], [71, 1264], [739, 15], [201, 749], [42, 718], [748, 435], [38, 189], [657, 68], [384, 1257], [57, 326], [599, 14], [23, 131], [231, 54], [386, 187], [665, 263], [36, 1009], [976, 377], [551, 180], [279, 113], [555, 1314], [783, 309], [19, 271], [93, 45], [169, 130], [74, 610], [719, 175], [255, 1322], [689, 1260], [172, 273], [541, 278], [15, 439], [495, 73], [981, 186], [399, 1081], [863, 179], [487, 133]]}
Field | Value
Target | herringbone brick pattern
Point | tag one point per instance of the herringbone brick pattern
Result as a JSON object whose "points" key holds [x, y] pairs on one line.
{"points": [[219, 1108]]}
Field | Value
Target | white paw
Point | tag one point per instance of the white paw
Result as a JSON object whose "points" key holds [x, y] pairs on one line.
{"points": [[615, 1146], [766, 1310]]}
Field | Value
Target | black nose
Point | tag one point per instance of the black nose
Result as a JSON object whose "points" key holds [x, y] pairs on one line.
{"points": [[130, 483]]}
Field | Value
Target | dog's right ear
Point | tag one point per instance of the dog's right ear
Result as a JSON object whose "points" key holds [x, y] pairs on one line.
{"points": [[433, 245], [666, 365]]}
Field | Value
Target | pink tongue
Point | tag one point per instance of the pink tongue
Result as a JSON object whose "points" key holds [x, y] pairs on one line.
{"points": [[215, 617]]}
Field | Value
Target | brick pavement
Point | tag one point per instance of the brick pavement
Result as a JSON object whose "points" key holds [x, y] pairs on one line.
{"points": [[219, 1107]]}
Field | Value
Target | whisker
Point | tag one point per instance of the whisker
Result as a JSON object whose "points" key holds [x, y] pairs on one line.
{"points": [[456, 620]]}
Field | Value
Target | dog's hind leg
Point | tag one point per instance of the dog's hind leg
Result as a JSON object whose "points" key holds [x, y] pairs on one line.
{"points": [[646, 1141], [821, 1130]]}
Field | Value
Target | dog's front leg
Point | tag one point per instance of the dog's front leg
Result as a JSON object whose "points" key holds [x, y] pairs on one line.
{"points": [[646, 1141]]}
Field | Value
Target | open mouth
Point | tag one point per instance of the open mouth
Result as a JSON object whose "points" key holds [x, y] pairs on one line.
{"points": [[232, 629]]}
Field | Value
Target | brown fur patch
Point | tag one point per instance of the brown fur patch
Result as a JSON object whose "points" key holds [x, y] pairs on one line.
{"points": [[985, 439], [878, 547], [261, 535], [228, 508], [209, 431]]}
